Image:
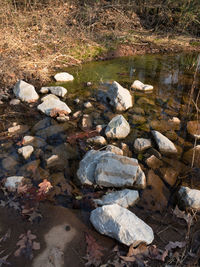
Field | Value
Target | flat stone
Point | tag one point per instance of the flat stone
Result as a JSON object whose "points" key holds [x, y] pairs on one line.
{"points": [[114, 149], [124, 198], [56, 90], [118, 128], [18, 129], [193, 128], [98, 140], [121, 224], [26, 151], [153, 162], [164, 144], [25, 92], [13, 182], [189, 198], [49, 97], [50, 105], [141, 86], [9, 163], [142, 144], [15, 102], [119, 97], [34, 141], [63, 77]]}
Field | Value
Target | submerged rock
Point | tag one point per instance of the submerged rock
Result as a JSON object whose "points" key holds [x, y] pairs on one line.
{"points": [[13, 182], [124, 198], [25, 92], [193, 128], [9, 163], [18, 129], [51, 105], [118, 128], [142, 144], [26, 151], [141, 86], [119, 97], [34, 141], [189, 198], [110, 170], [55, 90], [121, 224], [164, 144], [63, 77]]}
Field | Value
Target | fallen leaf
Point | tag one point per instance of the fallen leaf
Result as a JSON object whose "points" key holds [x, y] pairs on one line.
{"points": [[182, 215], [172, 245], [45, 186], [94, 251]]}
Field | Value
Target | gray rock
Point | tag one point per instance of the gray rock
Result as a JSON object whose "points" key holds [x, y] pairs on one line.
{"points": [[56, 90], [41, 124], [98, 140], [118, 171], [49, 97], [25, 92], [9, 163], [124, 198], [140, 86], [121, 224], [12, 182], [63, 77], [119, 97], [88, 165], [190, 198], [34, 141], [118, 128], [26, 151], [114, 149], [53, 104], [164, 144], [15, 102], [142, 144]]}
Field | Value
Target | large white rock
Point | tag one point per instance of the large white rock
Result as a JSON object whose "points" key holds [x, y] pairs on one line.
{"points": [[53, 104], [118, 171], [141, 86], [26, 151], [110, 170], [190, 198], [118, 128], [124, 198], [63, 77], [55, 90], [141, 144], [121, 224], [49, 97], [25, 92], [119, 97], [164, 144], [13, 182]]}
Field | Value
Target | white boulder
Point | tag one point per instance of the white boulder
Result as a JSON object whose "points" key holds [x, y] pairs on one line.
{"points": [[118, 128], [25, 92], [121, 224], [13, 182], [63, 77], [141, 86], [50, 105], [55, 90], [164, 144], [26, 151]]}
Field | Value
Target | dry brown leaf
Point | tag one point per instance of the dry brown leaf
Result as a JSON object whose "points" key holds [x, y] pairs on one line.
{"points": [[45, 186]]}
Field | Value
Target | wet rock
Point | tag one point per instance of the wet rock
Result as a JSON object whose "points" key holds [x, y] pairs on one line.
{"points": [[114, 149], [118, 171], [34, 141], [63, 77], [15, 102], [164, 144], [86, 122], [137, 119], [53, 160], [121, 224], [77, 114], [119, 97], [56, 90], [49, 97], [65, 151], [63, 118], [124, 198], [12, 182], [46, 122], [140, 86], [26, 151], [87, 104], [98, 140], [9, 163], [189, 198], [118, 128], [142, 144], [50, 105], [169, 175], [145, 101], [152, 151], [25, 92], [193, 128], [192, 156], [52, 130], [18, 129], [29, 168], [153, 162]]}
